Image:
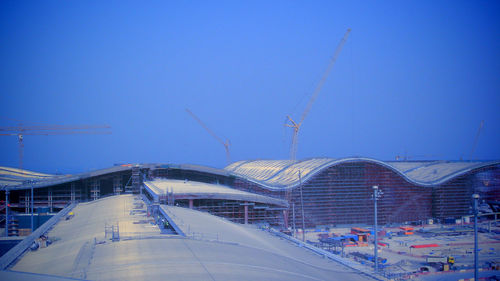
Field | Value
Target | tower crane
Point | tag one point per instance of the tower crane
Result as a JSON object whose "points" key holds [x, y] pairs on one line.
{"points": [[476, 138], [48, 130], [226, 143], [296, 125]]}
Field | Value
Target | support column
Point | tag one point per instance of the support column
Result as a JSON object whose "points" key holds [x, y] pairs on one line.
{"points": [[285, 218], [117, 185], [190, 203], [27, 201], [95, 189], [246, 212], [50, 199], [32, 203], [72, 192], [7, 212]]}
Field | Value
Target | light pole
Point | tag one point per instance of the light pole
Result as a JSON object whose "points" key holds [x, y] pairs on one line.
{"points": [[293, 218], [302, 206], [376, 194], [475, 197]]}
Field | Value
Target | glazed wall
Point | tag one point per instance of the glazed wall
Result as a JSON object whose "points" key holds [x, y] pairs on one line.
{"points": [[342, 194]]}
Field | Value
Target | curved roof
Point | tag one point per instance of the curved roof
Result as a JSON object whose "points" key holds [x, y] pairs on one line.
{"points": [[214, 249], [13, 178], [279, 174], [271, 174]]}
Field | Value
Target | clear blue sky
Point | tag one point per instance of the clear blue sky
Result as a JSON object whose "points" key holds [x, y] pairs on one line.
{"points": [[414, 78]]}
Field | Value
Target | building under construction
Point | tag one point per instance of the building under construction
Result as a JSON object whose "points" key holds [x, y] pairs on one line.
{"points": [[324, 191], [339, 191]]}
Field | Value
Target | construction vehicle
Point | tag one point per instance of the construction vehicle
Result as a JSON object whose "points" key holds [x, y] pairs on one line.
{"points": [[444, 260], [441, 263]]}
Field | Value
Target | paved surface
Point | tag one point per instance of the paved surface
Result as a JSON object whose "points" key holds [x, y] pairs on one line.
{"points": [[82, 251], [17, 276], [455, 276]]}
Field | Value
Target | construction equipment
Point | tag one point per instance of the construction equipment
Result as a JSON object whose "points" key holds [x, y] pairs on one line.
{"points": [[476, 138], [226, 143], [296, 125], [48, 130], [434, 259], [415, 157]]}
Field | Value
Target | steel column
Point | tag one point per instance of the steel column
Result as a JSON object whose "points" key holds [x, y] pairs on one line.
{"points": [[6, 212], [32, 203], [246, 212], [302, 206]]}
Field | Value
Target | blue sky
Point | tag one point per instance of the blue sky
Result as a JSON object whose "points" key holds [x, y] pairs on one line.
{"points": [[415, 78]]}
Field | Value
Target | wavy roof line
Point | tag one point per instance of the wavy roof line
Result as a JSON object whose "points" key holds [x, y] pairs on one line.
{"points": [[270, 174], [422, 173]]}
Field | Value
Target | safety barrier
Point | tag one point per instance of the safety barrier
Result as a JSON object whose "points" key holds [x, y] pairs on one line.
{"points": [[9, 257]]}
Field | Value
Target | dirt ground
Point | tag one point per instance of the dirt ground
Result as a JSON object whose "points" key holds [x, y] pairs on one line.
{"points": [[451, 240]]}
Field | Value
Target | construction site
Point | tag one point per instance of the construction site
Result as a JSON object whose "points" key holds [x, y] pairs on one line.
{"points": [[324, 206], [349, 218]]}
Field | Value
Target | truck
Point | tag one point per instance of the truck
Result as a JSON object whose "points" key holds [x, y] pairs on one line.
{"points": [[443, 260]]}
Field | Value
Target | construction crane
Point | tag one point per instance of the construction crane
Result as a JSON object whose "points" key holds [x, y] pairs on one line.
{"points": [[226, 143], [296, 125], [405, 157], [476, 139], [48, 130]]}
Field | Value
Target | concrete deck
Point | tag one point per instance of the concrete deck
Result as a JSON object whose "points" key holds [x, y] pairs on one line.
{"points": [[80, 249]]}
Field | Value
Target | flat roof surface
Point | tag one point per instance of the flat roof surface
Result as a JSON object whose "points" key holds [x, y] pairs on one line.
{"points": [[200, 190], [241, 252]]}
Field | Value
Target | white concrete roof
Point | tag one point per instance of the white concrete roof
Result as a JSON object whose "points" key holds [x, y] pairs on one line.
{"points": [[200, 190], [143, 253]]}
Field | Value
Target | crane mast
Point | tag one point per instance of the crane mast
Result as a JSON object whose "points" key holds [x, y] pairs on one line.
{"points": [[476, 139], [226, 143], [296, 125]]}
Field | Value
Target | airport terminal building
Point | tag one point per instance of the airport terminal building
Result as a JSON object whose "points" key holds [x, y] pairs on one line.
{"points": [[326, 191]]}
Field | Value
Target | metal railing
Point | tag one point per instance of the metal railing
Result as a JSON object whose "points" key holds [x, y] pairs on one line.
{"points": [[9, 257]]}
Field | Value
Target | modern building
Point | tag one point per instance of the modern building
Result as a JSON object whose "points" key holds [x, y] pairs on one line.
{"points": [[339, 191], [322, 191]]}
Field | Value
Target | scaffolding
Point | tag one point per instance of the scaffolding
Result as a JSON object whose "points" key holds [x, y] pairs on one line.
{"points": [[117, 185], [341, 195], [54, 198], [95, 189], [235, 210], [136, 179], [334, 195]]}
